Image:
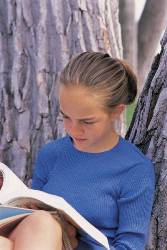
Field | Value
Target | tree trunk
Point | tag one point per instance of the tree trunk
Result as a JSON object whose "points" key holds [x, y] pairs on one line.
{"points": [[150, 28], [129, 31], [148, 131], [37, 38], [140, 39]]}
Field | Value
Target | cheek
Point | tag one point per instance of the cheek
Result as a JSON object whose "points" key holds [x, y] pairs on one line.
{"points": [[100, 129], [67, 124], [93, 130]]}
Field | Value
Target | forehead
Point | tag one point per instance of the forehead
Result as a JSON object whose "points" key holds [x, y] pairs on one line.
{"points": [[79, 101]]}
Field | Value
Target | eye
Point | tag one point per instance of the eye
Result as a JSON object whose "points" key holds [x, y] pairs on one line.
{"points": [[85, 122], [64, 117]]}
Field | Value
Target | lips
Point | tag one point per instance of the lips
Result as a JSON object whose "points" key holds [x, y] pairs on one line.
{"points": [[79, 139]]}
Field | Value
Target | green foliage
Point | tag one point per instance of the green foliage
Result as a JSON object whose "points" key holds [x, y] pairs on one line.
{"points": [[129, 114]]}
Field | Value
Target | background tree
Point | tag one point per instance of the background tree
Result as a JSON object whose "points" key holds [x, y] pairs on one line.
{"points": [[37, 38], [148, 131], [141, 37]]}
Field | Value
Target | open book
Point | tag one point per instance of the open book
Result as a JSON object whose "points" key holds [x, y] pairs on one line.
{"points": [[14, 194]]}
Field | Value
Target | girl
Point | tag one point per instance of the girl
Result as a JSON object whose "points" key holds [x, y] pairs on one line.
{"points": [[106, 178]]}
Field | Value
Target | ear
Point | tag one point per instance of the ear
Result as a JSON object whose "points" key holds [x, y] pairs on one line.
{"points": [[118, 110]]}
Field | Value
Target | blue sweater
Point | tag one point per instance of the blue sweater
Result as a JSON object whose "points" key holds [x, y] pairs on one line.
{"points": [[112, 189]]}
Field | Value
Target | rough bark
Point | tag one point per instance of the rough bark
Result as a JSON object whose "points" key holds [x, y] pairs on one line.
{"points": [[148, 131], [37, 38], [150, 28]]}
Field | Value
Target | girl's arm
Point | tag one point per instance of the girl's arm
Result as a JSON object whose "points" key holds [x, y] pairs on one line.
{"points": [[42, 168], [135, 205]]}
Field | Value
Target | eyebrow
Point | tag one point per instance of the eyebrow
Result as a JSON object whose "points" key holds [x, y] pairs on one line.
{"points": [[83, 119]]}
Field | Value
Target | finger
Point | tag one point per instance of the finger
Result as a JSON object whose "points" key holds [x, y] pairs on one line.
{"points": [[6, 243], [71, 230], [32, 206], [74, 243], [29, 206]]}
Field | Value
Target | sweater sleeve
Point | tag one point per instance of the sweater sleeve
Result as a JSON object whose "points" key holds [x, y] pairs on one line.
{"points": [[135, 205]]}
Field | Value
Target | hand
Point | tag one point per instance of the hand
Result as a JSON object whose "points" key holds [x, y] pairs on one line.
{"points": [[71, 232], [30, 205]]}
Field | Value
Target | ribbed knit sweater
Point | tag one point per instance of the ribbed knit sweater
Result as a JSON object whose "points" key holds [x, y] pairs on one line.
{"points": [[112, 189]]}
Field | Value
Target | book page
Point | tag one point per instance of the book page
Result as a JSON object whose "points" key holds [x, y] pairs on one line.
{"points": [[6, 178], [19, 195]]}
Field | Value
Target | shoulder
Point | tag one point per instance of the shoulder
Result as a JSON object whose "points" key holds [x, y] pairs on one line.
{"points": [[138, 165], [133, 162], [132, 153], [57, 144], [53, 148], [49, 153]]}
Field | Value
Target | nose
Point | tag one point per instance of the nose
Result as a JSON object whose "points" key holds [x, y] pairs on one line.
{"points": [[75, 129]]}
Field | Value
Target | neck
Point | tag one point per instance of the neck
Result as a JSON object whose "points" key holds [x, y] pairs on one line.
{"points": [[109, 144], [111, 141]]}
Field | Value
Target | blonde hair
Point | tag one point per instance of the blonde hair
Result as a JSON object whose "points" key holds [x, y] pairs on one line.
{"points": [[111, 78]]}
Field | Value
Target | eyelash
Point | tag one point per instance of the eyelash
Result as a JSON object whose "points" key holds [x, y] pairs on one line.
{"points": [[64, 117], [88, 122]]}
